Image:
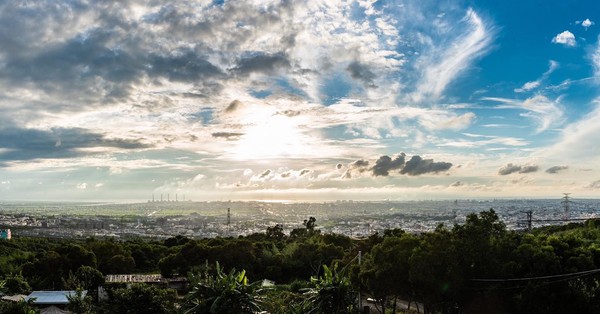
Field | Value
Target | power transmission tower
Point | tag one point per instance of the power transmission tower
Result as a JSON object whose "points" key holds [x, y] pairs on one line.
{"points": [[566, 201], [529, 218]]}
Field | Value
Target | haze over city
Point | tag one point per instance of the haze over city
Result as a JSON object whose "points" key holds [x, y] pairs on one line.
{"points": [[299, 100]]}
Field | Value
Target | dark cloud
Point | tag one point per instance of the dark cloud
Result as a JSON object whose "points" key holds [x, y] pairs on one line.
{"points": [[182, 66], [230, 136], [203, 89], [77, 63], [83, 67], [360, 165], [91, 67], [594, 185], [265, 173], [49, 47], [385, 164], [457, 184], [233, 106], [347, 175], [291, 113], [29, 144], [510, 169], [556, 169], [285, 174], [261, 62], [528, 169], [417, 166], [304, 171], [361, 72], [339, 166], [20, 22]]}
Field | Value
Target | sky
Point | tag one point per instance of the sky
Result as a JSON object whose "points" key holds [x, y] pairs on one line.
{"points": [[299, 100]]}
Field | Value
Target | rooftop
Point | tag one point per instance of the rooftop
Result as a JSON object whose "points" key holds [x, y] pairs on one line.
{"points": [[134, 278], [51, 297]]}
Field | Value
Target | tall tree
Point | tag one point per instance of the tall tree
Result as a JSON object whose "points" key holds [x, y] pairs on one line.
{"points": [[142, 299]]}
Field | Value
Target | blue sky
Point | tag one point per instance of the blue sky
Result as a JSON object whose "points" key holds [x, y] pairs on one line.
{"points": [[312, 101]]}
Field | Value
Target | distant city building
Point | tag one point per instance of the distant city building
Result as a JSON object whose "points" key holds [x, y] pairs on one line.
{"points": [[5, 234]]}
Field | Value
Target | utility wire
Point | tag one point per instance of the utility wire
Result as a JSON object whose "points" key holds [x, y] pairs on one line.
{"points": [[575, 275]]}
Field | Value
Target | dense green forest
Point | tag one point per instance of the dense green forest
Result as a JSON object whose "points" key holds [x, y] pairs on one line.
{"points": [[476, 267]]}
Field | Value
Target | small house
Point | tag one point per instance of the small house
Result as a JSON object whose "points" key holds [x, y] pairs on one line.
{"points": [[52, 301]]}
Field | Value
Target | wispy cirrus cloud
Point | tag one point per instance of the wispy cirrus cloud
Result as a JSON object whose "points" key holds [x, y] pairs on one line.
{"points": [[577, 140], [553, 65], [596, 59], [544, 111], [483, 141], [444, 63]]}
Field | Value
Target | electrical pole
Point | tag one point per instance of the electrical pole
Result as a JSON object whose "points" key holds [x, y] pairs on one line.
{"points": [[228, 220], [359, 286]]}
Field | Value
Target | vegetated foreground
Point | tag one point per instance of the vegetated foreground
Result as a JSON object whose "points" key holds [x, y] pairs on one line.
{"points": [[476, 267]]}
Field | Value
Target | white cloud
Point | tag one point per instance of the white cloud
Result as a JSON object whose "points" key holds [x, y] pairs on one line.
{"points": [[596, 59], [535, 84], [445, 63], [587, 23], [544, 111], [565, 38], [81, 186], [579, 140], [115, 170], [528, 86], [490, 140], [446, 121]]}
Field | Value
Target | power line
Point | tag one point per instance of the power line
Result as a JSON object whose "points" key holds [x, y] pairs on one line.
{"points": [[576, 274], [566, 202]]}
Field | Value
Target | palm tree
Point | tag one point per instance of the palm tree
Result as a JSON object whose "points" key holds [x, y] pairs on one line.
{"points": [[222, 293]]}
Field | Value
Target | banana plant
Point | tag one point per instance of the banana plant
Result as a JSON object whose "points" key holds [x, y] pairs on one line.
{"points": [[222, 293], [332, 293]]}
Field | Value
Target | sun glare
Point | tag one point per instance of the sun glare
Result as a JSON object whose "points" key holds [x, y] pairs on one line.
{"points": [[273, 136]]}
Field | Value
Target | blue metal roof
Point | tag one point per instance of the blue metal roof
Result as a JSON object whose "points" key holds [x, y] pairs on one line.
{"points": [[51, 297]]}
